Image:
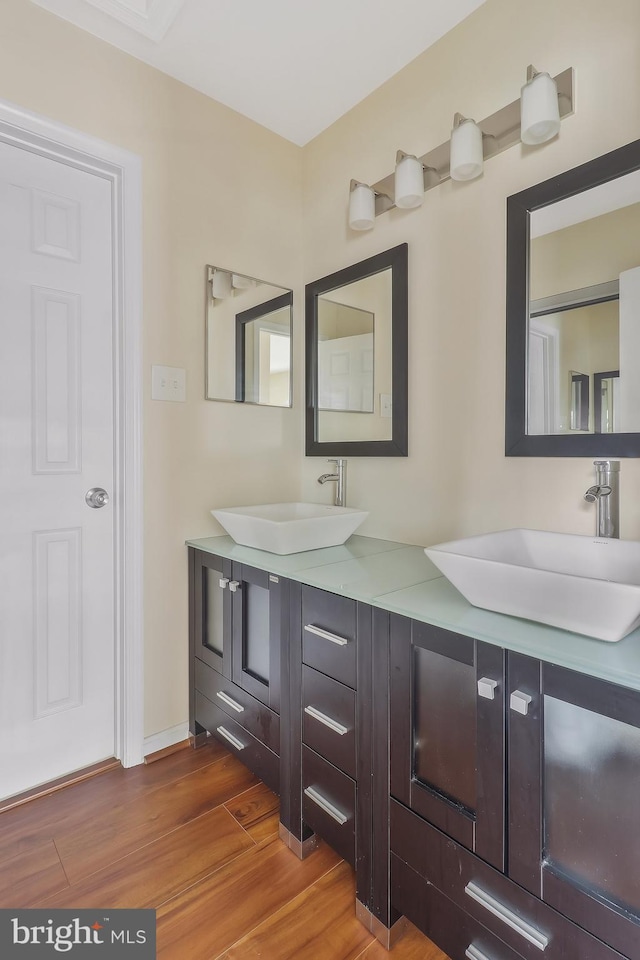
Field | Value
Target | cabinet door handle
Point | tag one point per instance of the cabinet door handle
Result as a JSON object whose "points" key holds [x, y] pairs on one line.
{"points": [[222, 582], [238, 744], [325, 805], [487, 688], [328, 721], [333, 637], [473, 953], [519, 702], [229, 702], [233, 585], [498, 909]]}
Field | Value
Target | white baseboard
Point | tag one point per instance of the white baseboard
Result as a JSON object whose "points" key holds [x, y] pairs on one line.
{"points": [[166, 738]]}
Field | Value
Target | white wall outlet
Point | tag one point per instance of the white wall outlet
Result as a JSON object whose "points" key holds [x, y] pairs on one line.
{"points": [[385, 405], [168, 383]]}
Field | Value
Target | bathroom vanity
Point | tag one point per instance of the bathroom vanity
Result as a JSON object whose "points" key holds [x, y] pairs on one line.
{"points": [[480, 772]]}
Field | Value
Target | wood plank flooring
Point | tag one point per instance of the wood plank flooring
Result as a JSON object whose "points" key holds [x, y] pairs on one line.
{"points": [[195, 836]]}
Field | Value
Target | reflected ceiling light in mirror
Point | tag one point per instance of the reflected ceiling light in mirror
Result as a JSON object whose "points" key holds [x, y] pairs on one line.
{"points": [[533, 118], [539, 110], [409, 181], [220, 285], [239, 282], [466, 155], [362, 206]]}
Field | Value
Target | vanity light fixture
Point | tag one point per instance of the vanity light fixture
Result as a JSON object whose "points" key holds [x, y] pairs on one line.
{"points": [[539, 111], [467, 158], [220, 285], [409, 181], [533, 118]]}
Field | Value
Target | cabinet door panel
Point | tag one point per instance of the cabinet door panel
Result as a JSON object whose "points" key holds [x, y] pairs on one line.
{"points": [[212, 619], [256, 633], [447, 744], [587, 736]]}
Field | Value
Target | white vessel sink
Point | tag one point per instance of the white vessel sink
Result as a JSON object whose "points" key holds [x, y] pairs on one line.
{"points": [[290, 527], [584, 584]]}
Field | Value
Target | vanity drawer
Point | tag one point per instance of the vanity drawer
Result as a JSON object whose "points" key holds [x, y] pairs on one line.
{"points": [[329, 719], [329, 804], [460, 936], [329, 634], [250, 713], [258, 758], [491, 898]]}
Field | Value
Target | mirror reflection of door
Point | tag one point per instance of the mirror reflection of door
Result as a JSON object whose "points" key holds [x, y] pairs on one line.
{"points": [[584, 312], [606, 399], [263, 353], [345, 357]]}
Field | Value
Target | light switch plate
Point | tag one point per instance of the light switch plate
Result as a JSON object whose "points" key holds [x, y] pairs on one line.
{"points": [[168, 383]]}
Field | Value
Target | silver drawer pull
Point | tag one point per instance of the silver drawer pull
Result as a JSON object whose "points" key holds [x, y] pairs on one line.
{"points": [[221, 695], [238, 744], [532, 934], [234, 585], [474, 954], [222, 582], [319, 632], [324, 804], [487, 688], [328, 722], [519, 702]]}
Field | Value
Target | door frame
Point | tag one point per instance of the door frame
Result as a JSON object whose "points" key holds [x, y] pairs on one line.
{"points": [[53, 140]]}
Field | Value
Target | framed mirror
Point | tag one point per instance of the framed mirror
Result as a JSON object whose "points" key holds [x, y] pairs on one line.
{"points": [[356, 359], [573, 312], [248, 340]]}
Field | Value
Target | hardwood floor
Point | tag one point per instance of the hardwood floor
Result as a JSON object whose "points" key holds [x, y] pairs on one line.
{"points": [[195, 836]]}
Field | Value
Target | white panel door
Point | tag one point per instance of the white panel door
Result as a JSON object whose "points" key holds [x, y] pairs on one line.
{"points": [[627, 411], [57, 643]]}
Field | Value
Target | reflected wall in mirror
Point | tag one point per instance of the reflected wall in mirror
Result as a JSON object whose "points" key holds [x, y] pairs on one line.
{"points": [[248, 339], [573, 312], [356, 359]]}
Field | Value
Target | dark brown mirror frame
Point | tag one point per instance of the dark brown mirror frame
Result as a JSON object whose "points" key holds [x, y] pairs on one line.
{"points": [[397, 446], [519, 208]]}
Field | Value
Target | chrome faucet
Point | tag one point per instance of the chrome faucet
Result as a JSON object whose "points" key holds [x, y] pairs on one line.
{"points": [[605, 493], [340, 478]]}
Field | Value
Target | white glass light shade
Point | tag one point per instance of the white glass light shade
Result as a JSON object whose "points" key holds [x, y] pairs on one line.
{"points": [[409, 183], [466, 158], [539, 113], [221, 284], [238, 282], [362, 207]]}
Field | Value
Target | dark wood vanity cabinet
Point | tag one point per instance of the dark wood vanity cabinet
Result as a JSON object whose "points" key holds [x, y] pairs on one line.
{"points": [[236, 636], [492, 798], [515, 795]]}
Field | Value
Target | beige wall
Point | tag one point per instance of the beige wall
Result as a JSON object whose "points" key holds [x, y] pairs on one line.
{"points": [[203, 203], [456, 480]]}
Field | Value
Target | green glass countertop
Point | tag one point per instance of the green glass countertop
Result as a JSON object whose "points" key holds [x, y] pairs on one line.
{"points": [[401, 579]]}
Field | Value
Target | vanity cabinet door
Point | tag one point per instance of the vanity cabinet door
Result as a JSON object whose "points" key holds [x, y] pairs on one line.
{"points": [[211, 602], [447, 733], [256, 604], [574, 797]]}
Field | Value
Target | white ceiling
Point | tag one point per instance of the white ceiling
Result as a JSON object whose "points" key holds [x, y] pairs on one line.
{"points": [[294, 66]]}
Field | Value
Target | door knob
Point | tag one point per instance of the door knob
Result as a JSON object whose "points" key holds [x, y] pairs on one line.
{"points": [[96, 497]]}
